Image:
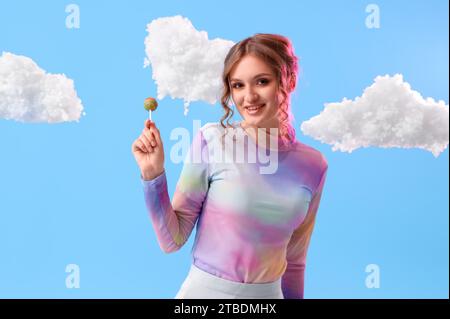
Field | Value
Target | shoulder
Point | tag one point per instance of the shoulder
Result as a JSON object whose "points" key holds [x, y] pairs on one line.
{"points": [[312, 161], [313, 156], [210, 127], [212, 131]]}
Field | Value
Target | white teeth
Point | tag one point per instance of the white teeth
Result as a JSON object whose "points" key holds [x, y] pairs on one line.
{"points": [[254, 108]]}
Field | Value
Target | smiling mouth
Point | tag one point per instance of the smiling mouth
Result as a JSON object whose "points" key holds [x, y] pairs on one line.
{"points": [[254, 109]]}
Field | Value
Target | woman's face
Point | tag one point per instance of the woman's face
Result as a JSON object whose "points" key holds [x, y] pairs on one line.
{"points": [[254, 84]]}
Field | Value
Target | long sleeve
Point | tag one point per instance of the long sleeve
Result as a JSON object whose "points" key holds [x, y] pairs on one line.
{"points": [[293, 277], [173, 222]]}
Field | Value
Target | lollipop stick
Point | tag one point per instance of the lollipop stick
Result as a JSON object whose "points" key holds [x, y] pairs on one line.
{"points": [[150, 115]]}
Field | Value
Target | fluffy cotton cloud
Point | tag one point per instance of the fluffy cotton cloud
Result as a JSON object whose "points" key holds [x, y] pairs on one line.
{"points": [[184, 62], [388, 114], [29, 94]]}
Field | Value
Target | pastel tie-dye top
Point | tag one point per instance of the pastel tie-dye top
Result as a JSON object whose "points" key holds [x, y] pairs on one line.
{"points": [[254, 217]]}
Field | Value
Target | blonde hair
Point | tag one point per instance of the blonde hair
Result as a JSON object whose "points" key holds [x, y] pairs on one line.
{"points": [[277, 51]]}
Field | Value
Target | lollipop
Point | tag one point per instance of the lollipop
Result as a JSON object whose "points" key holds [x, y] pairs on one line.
{"points": [[150, 105]]}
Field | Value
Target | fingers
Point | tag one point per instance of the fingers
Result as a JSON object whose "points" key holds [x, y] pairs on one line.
{"points": [[156, 135], [146, 142], [152, 133], [139, 145], [149, 139]]}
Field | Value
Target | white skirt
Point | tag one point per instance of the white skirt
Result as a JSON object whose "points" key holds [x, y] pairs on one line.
{"points": [[200, 284]]}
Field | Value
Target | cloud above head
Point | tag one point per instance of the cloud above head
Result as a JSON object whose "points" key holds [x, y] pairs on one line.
{"points": [[185, 63], [388, 114], [29, 94]]}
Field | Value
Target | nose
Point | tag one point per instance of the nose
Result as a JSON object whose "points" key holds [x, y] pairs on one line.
{"points": [[251, 96]]}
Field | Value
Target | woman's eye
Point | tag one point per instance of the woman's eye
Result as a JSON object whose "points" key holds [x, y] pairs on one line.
{"points": [[264, 81]]}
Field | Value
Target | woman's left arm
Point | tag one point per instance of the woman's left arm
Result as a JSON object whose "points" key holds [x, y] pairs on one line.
{"points": [[293, 277]]}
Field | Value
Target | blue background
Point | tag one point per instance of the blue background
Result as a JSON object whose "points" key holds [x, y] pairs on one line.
{"points": [[71, 192]]}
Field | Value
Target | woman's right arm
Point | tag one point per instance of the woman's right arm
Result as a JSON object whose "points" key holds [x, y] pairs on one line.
{"points": [[173, 221]]}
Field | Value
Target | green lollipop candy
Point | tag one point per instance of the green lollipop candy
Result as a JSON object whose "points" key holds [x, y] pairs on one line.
{"points": [[150, 104]]}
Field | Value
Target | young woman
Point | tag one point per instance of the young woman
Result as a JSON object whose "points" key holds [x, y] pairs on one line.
{"points": [[253, 225]]}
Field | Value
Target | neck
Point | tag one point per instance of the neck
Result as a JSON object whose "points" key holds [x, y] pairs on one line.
{"points": [[264, 127], [270, 133]]}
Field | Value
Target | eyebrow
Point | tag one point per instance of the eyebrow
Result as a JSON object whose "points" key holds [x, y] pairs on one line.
{"points": [[256, 76]]}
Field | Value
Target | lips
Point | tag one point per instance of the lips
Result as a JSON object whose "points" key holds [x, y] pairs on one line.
{"points": [[254, 109]]}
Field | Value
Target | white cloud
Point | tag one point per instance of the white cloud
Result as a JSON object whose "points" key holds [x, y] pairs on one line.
{"points": [[184, 62], [29, 94], [388, 114]]}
